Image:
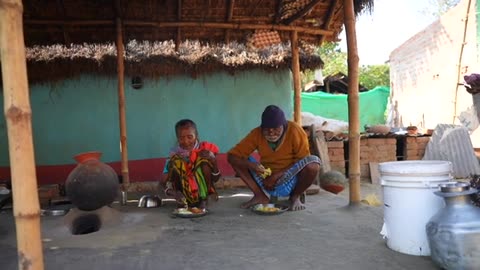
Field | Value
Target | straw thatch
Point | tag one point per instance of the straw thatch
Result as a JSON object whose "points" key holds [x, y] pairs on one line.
{"points": [[157, 59]]}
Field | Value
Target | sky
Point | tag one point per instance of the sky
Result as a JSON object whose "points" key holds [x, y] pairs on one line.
{"points": [[388, 27]]}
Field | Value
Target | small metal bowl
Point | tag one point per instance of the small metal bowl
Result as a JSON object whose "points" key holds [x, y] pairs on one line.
{"points": [[53, 212], [150, 201]]}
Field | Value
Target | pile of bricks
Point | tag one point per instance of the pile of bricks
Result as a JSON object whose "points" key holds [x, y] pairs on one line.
{"points": [[415, 147], [376, 150], [336, 155]]}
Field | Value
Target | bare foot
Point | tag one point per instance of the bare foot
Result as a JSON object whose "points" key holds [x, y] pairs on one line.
{"points": [[253, 201], [296, 205]]}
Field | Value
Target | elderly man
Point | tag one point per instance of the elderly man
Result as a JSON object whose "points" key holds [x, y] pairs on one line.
{"points": [[286, 168]]}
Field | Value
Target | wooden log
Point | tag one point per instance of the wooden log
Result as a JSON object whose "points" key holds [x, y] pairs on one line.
{"points": [[353, 106], [18, 116], [237, 26], [297, 116], [121, 104]]}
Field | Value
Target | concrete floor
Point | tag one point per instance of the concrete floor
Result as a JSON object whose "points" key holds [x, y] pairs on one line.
{"points": [[327, 235]]}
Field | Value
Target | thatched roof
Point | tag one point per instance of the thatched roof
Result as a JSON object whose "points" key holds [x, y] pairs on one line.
{"points": [[257, 33]]}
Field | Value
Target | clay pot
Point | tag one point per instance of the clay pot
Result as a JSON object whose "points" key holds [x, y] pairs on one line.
{"points": [[92, 183], [335, 189]]}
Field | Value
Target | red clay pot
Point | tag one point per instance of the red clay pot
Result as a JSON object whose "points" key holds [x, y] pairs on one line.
{"points": [[86, 156], [335, 189]]}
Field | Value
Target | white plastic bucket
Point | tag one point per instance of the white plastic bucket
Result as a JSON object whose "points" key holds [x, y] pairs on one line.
{"points": [[409, 201]]}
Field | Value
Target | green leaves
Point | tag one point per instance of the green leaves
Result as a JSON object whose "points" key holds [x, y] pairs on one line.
{"points": [[336, 61]]}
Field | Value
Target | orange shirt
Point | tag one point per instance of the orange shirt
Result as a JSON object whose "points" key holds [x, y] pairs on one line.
{"points": [[293, 147]]}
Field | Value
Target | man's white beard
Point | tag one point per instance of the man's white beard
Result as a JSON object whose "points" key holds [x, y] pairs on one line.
{"points": [[273, 139]]}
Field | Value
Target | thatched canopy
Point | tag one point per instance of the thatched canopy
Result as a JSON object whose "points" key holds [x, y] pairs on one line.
{"points": [[67, 38], [213, 21]]}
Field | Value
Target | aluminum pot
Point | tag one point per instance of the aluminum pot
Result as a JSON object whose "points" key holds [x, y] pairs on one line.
{"points": [[454, 232], [150, 201]]}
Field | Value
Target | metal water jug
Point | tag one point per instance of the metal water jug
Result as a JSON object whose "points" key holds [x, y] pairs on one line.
{"points": [[454, 232]]}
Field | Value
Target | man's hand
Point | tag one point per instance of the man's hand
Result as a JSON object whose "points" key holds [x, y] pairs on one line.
{"points": [[256, 167], [270, 182]]}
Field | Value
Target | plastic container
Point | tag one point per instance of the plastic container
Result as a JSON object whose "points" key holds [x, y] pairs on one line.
{"points": [[409, 201]]}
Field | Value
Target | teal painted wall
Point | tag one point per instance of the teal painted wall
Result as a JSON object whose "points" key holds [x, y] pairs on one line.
{"points": [[82, 114]]}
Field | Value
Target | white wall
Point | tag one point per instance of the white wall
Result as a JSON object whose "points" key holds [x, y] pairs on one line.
{"points": [[424, 72]]}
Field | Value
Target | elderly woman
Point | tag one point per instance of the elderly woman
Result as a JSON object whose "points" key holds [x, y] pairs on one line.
{"points": [[191, 170]]}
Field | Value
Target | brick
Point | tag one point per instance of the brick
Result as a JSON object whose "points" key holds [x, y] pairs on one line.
{"points": [[411, 140], [423, 139], [412, 146], [411, 153], [336, 158], [337, 164], [384, 148], [339, 152], [392, 141], [376, 141], [364, 149], [335, 144]]}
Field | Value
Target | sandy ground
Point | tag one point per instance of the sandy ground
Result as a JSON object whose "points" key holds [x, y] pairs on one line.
{"points": [[327, 235]]}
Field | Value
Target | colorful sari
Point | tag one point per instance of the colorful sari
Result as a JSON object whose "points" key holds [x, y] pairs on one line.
{"points": [[187, 167]]}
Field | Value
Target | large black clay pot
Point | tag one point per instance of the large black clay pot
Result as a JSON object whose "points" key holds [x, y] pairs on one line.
{"points": [[92, 184]]}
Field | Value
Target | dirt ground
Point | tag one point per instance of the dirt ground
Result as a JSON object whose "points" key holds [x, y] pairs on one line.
{"points": [[327, 235]]}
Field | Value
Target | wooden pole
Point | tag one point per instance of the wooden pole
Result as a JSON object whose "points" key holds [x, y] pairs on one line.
{"points": [[297, 117], [18, 115], [121, 105], [232, 25], [353, 106]]}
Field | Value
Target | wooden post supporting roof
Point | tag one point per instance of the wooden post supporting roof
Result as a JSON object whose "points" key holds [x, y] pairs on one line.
{"points": [[296, 79], [353, 106], [18, 116], [121, 100]]}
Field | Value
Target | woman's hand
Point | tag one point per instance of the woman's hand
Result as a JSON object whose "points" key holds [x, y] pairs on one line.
{"points": [[207, 155]]}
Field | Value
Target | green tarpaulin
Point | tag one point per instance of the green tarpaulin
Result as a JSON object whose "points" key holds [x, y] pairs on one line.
{"points": [[373, 104]]}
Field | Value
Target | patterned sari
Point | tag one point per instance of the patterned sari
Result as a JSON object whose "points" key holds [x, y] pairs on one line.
{"points": [[187, 166]]}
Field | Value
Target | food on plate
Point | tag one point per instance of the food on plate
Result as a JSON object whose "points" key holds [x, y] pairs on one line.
{"points": [[190, 211], [266, 208]]}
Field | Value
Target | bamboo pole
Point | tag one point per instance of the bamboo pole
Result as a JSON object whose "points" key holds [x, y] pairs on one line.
{"points": [[296, 79], [121, 105], [18, 115], [353, 106], [232, 25]]}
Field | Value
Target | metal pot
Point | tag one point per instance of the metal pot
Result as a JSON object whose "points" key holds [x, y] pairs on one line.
{"points": [[150, 201], [454, 232]]}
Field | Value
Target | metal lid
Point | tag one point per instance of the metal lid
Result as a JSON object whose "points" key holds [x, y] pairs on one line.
{"points": [[453, 189]]}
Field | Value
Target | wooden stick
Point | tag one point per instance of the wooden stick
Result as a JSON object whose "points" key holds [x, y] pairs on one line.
{"points": [[238, 26], [328, 21], [18, 116], [178, 36], [228, 18], [121, 104], [353, 106], [301, 12], [296, 79]]}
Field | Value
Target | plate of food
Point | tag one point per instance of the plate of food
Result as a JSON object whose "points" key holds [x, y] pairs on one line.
{"points": [[190, 212], [269, 209]]}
